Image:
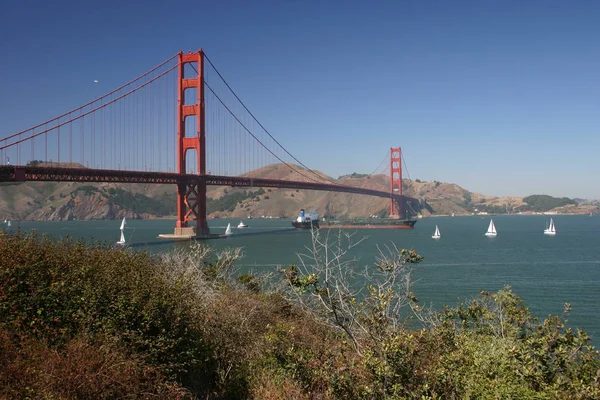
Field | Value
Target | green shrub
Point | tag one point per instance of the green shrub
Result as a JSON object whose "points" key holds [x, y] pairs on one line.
{"points": [[163, 204], [54, 291], [543, 202], [228, 202], [249, 282]]}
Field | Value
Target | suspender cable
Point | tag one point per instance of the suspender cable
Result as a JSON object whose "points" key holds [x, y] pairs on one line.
{"points": [[258, 122]]}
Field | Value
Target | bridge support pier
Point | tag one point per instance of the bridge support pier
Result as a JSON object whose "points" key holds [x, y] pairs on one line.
{"points": [[398, 205], [191, 202]]}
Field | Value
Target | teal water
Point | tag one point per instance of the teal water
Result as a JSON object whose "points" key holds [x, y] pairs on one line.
{"points": [[545, 271]]}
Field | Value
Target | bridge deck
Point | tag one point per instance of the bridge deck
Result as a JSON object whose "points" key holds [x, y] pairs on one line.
{"points": [[14, 174]]}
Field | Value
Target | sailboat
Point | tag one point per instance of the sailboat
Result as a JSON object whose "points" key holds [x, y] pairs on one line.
{"points": [[122, 228], [436, 234], [5, 221], [242, 225], [8, 224], [491, 229], [551, 230], [228, 230]]}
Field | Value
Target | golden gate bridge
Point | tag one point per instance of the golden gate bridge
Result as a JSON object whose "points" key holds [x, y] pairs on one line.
{"points": [[179, 123]]}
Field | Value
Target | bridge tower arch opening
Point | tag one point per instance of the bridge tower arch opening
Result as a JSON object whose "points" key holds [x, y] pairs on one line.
{"points": [[191, 195]]}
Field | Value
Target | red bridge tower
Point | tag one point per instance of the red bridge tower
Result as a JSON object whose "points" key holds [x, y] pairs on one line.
{"points": [[396, 208], [191, 196]]}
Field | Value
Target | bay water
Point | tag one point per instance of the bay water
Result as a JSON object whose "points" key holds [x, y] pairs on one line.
{"points": [[545, 271]]}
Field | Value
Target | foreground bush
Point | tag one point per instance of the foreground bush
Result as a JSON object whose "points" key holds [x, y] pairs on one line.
{"points": [[85, 368], [169, 323], [81, 321], [54, 292]]}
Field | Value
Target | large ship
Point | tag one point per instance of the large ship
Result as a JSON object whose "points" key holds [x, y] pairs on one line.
{"points": [[306, 220], [371, 223]]}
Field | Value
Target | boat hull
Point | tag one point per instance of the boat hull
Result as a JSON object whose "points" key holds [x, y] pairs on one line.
{"points": [[305, 224], [373, 224]]}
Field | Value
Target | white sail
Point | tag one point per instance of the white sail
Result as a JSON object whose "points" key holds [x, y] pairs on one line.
{"points": [[122, 228], [122, 239], [491, 229], [8, 223], [228, 230], [436, 234], [551, 230]]}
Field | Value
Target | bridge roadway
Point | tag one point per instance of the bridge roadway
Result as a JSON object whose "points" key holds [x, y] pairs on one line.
{"points": [[17, 174]]}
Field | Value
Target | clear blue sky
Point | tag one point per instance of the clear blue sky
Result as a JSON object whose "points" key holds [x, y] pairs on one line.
{"points": [[500, 97]]}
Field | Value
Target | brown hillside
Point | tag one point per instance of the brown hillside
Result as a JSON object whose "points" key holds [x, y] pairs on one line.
{"points": [[286, 202], [66, 200], [63, 201]]}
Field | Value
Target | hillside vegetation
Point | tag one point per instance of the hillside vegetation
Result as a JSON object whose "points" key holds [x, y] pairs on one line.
{"points": [[83, 322], [542, 202]]}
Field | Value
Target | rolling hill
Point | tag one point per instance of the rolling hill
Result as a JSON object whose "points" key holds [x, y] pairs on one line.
{"points": [[72, 201]]}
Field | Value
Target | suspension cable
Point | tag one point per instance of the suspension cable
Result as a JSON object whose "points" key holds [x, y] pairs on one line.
{"points": [[93, 101], [261, 125], [379, 165], [102, 106], [405, 167], [248, 130], [407, 173]]}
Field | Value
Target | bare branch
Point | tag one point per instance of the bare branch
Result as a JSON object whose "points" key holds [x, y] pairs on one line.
{"points": [[325, 282]]}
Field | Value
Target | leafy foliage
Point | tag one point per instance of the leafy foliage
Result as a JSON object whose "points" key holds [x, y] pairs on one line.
{"points": [[230, 201], [353, 175], [542, 202], [34, 163], [467, 197], [55, 291], [86, 189], [498, 349], [138, 203]]}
